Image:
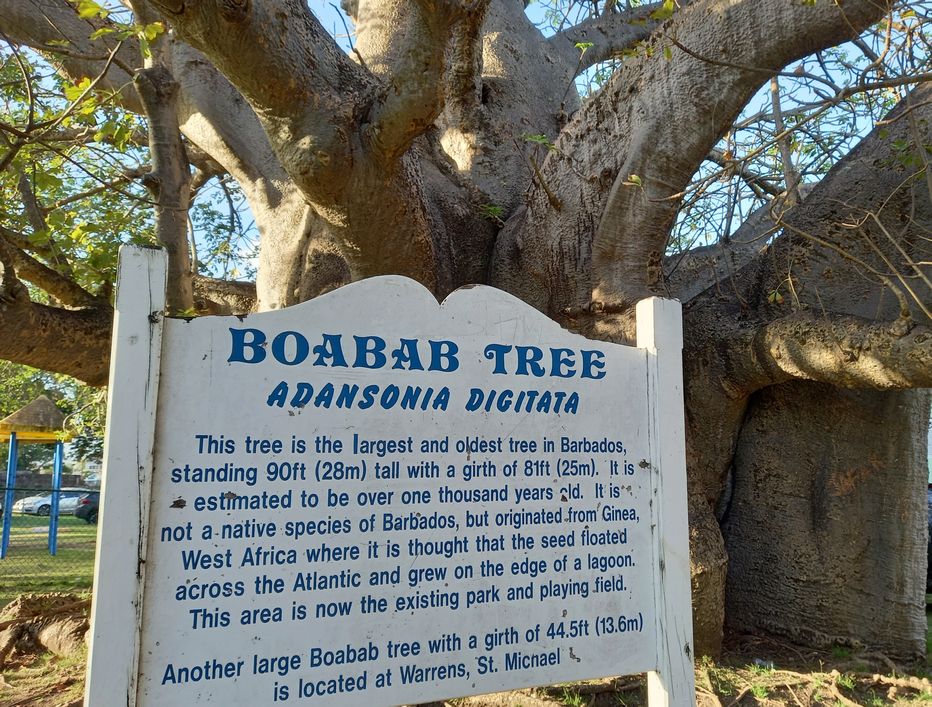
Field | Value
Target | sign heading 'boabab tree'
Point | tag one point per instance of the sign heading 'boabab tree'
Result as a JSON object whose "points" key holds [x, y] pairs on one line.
{"points": [[450, 145]]}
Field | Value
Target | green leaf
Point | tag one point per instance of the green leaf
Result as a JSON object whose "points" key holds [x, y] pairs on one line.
{"points": [[151, 31], [665, 12], [88, 9], [39, 237], [87, 110], [492, 212], [539, 140], [47, 180], [79, 233], [122, 134], [73, 92], [634, 180], [583, 46], [102, 32]]}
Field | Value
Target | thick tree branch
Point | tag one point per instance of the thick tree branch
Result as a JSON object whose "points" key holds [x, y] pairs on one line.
{"points": [[686, 275], [412, 65], [169, 181], [306, 92], [216, 119], [75, 342], [525, 88], [464, 82], [788, 307], [665, 110], [212, 115], [21, 241], [62, 288], [313, 104], [35, 214], [844, 351], [609, 34], [213, 296], [636, 221]]}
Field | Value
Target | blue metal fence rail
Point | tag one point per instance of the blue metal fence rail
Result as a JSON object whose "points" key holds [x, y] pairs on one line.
{"points": [[55, 491]]}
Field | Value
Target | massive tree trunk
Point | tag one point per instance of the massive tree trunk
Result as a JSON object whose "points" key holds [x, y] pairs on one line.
{"points": [[450, 146], [846, 315], [826, 528]]}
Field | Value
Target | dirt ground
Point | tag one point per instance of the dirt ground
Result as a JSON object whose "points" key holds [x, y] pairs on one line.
{"points": [[753, 671]]}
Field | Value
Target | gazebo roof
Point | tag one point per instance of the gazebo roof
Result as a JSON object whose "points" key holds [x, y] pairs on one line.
{"points": [[39, 421]]}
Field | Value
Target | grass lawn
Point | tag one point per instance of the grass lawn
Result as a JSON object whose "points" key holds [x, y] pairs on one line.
{"points": [[44, 681], [28, 567]]}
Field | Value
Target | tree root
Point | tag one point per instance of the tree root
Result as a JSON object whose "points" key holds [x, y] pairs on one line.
{"points": [[614, 685], [76, 607], [741, 696], [33, 615], [891, 666], [836, 693], [835, 686], [793, 693], [912, 683], [711, 695]]}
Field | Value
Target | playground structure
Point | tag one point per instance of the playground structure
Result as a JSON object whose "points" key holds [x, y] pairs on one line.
{"points": [[39, 422]]}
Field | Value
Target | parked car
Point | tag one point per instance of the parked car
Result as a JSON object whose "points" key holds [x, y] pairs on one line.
{"points": [[87, 507], [42, 505]]}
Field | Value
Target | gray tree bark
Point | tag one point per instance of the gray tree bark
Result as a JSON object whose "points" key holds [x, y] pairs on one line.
{"points": [[826, 533]]}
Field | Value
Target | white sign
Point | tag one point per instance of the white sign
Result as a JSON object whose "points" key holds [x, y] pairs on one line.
{"points": [[373, 499]]}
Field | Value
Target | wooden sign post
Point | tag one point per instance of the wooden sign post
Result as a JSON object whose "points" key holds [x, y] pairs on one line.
{"points": [[373, 499]]}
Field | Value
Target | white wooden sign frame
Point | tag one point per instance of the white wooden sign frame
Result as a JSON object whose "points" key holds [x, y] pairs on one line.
{"points": [[123, 532]]}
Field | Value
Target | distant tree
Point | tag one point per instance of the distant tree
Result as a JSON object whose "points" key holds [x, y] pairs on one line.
{"points": [[82, 405], [19, 386]]}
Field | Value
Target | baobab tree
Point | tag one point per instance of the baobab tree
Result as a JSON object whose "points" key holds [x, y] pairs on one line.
{"points": [[450, 144]]}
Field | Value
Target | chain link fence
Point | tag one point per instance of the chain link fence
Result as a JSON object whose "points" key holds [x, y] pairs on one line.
{"points": [[29, 565]]}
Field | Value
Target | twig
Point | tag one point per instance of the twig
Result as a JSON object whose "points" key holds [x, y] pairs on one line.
{"points": [[349, 37], [90, 87], [790, 175], [711, 695], [836, 693], [551, 197], [602, 687], [740, 697], [795, 698]]}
